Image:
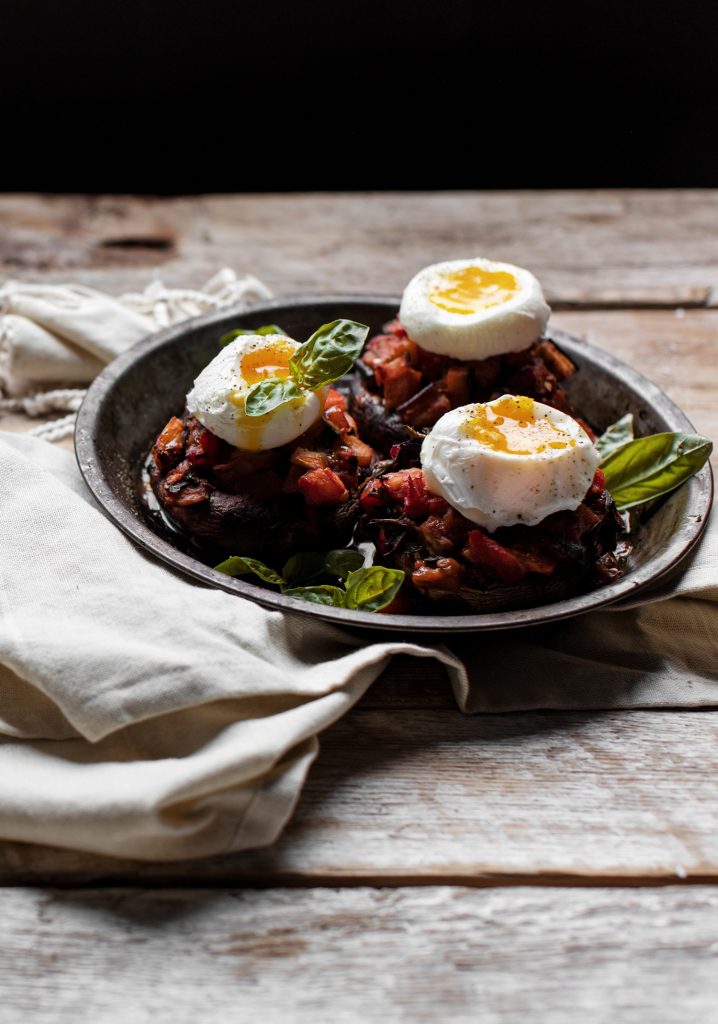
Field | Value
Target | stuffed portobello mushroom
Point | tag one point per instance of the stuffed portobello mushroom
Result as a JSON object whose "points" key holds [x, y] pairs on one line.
{"points": [[467, 331], [266, 460], [502, 506]]}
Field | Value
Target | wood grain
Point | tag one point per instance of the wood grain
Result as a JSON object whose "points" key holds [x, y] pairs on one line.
{"points": [[514, 956], [600, 247], [408, 790]]}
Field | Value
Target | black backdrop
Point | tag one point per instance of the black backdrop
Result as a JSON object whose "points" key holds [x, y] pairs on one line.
{"points": [[208, 95]]}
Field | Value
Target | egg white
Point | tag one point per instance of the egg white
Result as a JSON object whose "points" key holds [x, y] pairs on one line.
{"points": [[209, 400], [496, 488], [507, 327]]}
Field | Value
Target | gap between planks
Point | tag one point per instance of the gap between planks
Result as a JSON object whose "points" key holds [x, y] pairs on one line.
{"points": [[358, 880]]}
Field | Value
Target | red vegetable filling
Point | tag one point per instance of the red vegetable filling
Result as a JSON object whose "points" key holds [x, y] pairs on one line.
{"points": [[418, 387], [442, 551], [326, 464]]}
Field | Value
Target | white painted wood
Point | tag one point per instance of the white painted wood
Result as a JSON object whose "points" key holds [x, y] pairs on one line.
{"points": [[414, 790], [514, 956]]}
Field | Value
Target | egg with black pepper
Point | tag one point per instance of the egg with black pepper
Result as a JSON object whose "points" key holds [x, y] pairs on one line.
{"points": [[512, 460], [473, 308]]}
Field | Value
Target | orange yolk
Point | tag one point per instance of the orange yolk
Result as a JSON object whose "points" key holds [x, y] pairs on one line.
{"points": [[261, 364], [511, 426], [269, 361], [472, 290]]}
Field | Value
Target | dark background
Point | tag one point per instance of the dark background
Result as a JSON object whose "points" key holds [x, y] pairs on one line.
{"points": [[160, 97]]}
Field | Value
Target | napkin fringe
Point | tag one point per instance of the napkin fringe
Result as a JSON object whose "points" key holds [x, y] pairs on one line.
{"points": [[158, 306]]}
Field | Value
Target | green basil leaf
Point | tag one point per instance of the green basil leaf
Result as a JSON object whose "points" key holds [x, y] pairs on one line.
{"points": [[270, 329], [332, 596], [652, 466], [306, 565], [373, 588], [343, 561], [328, 354], [240, 332], [269, 394], [614, 436], [309, 565], [237, 565]]}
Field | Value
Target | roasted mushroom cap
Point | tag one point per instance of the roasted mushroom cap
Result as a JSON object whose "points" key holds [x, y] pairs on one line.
{"points": [[452, 563], [397, 385], [267, 504]]}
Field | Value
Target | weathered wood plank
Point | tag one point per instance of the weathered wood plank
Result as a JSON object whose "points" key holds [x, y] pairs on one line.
{"points": [[360, 955], [413, 791], [601, 247]]}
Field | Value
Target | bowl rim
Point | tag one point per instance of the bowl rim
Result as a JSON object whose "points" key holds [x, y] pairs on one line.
{"points": [[89, 459]]}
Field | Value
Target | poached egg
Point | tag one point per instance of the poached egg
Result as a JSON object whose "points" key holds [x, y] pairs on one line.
{"points": [[219, 394], [472, 309], [509, 461]]}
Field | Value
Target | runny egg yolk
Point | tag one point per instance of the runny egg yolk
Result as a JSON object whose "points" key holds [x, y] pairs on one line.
{"points": [[510, 425], [260, 364], [472, 290], [269, 361]]}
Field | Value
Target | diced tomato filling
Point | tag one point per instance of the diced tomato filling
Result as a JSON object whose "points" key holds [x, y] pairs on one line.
{"points": [[445, 574], [385, 348], [339, 420], [599, 482], [169, 446], [443, 532], [399, 381], [536, 561], [457, 385], [489, 554], [203, 448], [308, 459], [409, 487], [558, 363], [373, 495], [425, 407], [335, 397], [322, 487], [432, 366], [363, 453]]}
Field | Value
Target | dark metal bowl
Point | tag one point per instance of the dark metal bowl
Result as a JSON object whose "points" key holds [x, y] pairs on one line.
{"points": [[132, 399]]}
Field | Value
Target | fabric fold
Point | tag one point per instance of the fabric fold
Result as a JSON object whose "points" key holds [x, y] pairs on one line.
{"points": [[146, 716]]}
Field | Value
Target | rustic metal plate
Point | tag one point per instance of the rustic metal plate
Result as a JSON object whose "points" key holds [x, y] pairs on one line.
{"points": [[131, 400]]}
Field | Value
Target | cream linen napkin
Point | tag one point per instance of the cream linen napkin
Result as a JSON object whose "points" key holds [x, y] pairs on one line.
{"points": [[140, 714], [53, 334], [67, 332], [146, 716]]}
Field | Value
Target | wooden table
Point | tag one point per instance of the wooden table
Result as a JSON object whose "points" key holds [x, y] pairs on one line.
{"points": [[558, 867]]}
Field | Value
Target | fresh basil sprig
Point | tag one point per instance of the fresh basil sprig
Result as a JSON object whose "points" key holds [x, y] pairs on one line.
{"points": [[616, 435], [237, 565], [269, 394], [240, 332], [330, 353], [367, 589], [310, 565], [325, 594], [373, 588], [649, 467]]}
